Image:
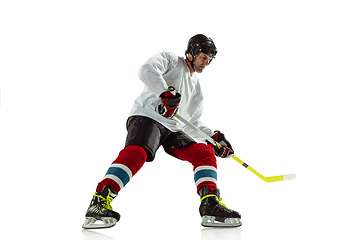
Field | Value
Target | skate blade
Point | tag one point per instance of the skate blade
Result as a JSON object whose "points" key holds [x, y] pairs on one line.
{"points": [[209, 221], [107, 222]]}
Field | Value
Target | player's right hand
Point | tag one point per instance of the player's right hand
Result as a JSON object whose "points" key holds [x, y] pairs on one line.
{"points": [[170, 102]]}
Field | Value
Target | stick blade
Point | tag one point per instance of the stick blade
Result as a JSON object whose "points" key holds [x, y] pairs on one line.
{"points": [[289, 177]]}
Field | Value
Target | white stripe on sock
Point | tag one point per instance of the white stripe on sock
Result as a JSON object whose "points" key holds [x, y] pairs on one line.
{"points": [[123, 167], [205, 168], [205, 179], [116, 179]]}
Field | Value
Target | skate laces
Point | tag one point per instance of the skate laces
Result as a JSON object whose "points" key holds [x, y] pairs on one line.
{"points": [[106, 201], [218, 199]]}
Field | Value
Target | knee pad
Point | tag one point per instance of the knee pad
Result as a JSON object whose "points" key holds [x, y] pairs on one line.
{"points": [[203, 155]]}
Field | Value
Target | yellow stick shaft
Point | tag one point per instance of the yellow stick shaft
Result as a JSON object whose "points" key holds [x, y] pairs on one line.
{"points": [[266, 179], [204, 135]]}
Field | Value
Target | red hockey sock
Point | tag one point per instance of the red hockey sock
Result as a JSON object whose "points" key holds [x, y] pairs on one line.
{"points": [[203, 159], [125, 166]]}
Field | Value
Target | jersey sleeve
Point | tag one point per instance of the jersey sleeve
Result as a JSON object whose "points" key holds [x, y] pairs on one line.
{"points": [[199, 124], [196, 119], [152, 71]]}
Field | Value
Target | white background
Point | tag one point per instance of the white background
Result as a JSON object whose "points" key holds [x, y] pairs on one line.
{"points": [[284, 88]]}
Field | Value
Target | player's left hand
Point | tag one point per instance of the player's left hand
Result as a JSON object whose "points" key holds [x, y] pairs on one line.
{"points": [[226, 149]]}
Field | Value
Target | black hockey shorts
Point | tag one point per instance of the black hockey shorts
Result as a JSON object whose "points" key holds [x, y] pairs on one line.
{"points": [[150, 135]]}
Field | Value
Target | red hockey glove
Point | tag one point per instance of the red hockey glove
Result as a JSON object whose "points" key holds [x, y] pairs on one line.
{"points": [[170, 103], [226, 149]]}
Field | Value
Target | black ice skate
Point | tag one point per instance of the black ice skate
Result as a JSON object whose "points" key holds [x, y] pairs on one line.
{"points": [[101, 210], [214, 213]]}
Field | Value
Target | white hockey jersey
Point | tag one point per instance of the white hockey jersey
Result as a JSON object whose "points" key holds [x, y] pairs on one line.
{"points": [[158, 73]]}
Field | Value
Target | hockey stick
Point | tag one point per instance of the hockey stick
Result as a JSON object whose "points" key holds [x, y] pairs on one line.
{"points": [[204, 135]]}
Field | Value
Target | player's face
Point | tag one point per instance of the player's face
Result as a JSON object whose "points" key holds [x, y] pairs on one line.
{"points": [[201, 61]]}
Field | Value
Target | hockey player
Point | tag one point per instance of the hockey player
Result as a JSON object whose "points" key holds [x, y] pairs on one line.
{"points": [[171, 86]]}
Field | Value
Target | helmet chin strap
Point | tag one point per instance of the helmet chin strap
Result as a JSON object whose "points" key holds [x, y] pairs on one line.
{"points": [[191, 62]]}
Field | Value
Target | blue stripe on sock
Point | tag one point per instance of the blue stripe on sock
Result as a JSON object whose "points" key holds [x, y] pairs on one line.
{"points": [[120, 173], [205, 173]]}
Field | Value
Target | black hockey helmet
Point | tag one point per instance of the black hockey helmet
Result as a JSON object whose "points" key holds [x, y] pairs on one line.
{"points": [[201, 43]]}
